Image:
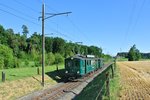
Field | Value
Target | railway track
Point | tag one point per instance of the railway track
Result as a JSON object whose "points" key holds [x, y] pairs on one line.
{"points": [[63, 90], [58, 92]]}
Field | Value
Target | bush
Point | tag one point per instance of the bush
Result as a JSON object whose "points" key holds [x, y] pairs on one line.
{"points": [[58, 58], [16, 63], [50, 58], [37, 63], [26, 63], [6, 54], [21, 54], [1, 63]]}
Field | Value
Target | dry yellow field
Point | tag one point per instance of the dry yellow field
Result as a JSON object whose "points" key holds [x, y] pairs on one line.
{"points": [[134, 80], [15, 89]]}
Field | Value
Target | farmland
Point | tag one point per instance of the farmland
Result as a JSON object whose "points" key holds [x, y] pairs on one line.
{"points": [[134, 80]]}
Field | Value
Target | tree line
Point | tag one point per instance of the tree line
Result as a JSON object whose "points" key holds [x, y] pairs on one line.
{"points": [[17, 50], [134, 54]]}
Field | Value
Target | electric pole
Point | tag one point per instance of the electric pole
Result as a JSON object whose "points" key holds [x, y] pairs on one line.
{"points": [[43, 36], [43, 43]]}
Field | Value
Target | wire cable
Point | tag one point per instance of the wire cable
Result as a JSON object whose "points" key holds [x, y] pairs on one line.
{"points": [[129, 24], [17, 11], [139, 14]]}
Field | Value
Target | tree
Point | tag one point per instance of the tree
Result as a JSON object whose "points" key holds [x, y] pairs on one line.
{"points": [[134, 54], [50, 58], [95, 51], [25, 30], [58, 58], [48, 44], [58, 45]]}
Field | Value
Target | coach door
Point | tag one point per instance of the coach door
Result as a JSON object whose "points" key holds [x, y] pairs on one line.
{"points": [[85, 67]]}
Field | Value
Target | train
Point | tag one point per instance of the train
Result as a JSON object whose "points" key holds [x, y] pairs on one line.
{"points": [[80, 65]]}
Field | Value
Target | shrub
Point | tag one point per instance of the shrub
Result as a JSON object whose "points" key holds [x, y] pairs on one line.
{"points": [[6, 54], [16, 63], [37, 63], [50, 58], [26, 63], [58, 58], [1, 63]]}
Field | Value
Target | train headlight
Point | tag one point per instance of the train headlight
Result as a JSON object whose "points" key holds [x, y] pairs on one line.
{"points": [[78, 72], [66, 72]]}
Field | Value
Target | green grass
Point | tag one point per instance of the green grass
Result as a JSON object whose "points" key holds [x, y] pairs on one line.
{"points": [[91, 91], [144, 59], [122, 59], [19, 73], [115, 85]]}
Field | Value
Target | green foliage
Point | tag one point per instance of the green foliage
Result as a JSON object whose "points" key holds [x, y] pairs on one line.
{"points": [[50, 58], [16, 63], [95, 51], [34, 54], [68, 50], [37, 63], [1, 62], [31, 48], [26, 63], [58, 45], [134, 54], [7, 55], [49, 44], [58, 58], [25, 30]]}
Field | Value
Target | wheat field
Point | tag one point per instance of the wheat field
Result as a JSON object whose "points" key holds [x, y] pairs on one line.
{"points": [[134, 80]]}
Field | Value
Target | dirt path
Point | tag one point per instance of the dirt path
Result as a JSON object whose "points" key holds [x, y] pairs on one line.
{"points": [[135, 80]]}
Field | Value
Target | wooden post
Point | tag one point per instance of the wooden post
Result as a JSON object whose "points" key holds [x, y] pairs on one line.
{"points": [[115, 64], [57, 66], [38, 71], [3, 76], [107, 85], [112, 69]]}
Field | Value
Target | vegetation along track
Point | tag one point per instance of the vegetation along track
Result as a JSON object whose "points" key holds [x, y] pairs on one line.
{"points": [[135, 80]]}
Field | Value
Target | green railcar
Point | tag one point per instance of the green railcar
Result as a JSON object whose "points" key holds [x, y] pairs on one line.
{"points": [[81, 65], [100, 62]]}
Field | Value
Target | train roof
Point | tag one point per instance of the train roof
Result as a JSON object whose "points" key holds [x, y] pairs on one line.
{"points": [[82, 57]]}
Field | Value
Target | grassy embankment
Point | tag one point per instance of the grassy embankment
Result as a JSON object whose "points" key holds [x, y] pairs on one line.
{"points": [[115, 85], [20, 73], [21, 81], [92, 90]]}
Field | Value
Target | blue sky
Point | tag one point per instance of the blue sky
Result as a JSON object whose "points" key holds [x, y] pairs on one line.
{"points": [[114, 25]]}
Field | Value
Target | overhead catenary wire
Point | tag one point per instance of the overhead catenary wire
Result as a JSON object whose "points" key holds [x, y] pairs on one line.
{"points": [[129, 23], [33, 10], [57, 32], [17, 11], [78, 29], [139, 13], [22, 18], [27, 20], [132, 25], [72, 23]]}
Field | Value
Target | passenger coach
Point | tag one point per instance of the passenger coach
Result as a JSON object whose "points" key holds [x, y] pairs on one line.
{"points": [[80, 65]]}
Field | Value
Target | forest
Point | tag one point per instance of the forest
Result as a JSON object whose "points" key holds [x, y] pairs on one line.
{"points": [[18, 50]]}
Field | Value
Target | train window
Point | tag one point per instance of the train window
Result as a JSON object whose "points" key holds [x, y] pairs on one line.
{"points": [[88, 62], [69, 64], [76, 63], [93, 62]]}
